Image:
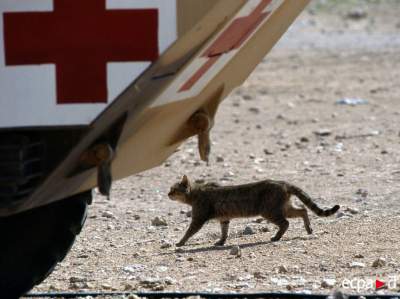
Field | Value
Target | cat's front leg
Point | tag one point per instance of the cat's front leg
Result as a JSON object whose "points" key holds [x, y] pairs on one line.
{"points": [[194, 227], [224, 233]]}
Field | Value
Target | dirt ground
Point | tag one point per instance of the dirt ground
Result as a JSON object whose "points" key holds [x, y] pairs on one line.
{"points": [[284, 123]]}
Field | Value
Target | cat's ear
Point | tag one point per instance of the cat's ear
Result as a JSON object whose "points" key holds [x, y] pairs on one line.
{"points": [[185, 181]]}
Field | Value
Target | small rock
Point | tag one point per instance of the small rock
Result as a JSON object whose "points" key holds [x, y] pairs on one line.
{"points": [[165, 244], [134, 269], [340, 214], [356, 265], [158, 221], [154, 284], [362, 192], [75, 279], [356, 14], [265, 229], [351, 101], [353, 211], [254, 110], [259, 275], [236, 251], [328, 283], [162, 269], [169, 281], [128, 286], [242, 285], [323, 132], [248, 230], [106, 286], [380, 262], [359, 256], [220, 159], [108, 214], [268, 152], [304, 139], [283, 269], [247, 97]]}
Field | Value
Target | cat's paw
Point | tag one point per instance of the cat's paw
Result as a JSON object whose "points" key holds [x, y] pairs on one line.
{"points": [[275, 239], [219, 243], [309, 231], [180, 244]]}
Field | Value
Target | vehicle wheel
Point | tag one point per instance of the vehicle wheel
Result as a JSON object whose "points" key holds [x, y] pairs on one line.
{"points": [[33, 242]]}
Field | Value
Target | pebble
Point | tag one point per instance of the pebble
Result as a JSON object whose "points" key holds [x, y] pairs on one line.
{"points": [[379, 262], [356, 14], [353, 211], [254, 110], [304, 139], [108, 214], [236, 251], [259, 275], [134, 268], [220, 159], [362, 192], [128, 286], [248, 230], [75, 279], [247, 97], [328, 283], [106, 286], [340, 214], [154, 284], [159, 221], [356, 265], [165, 244], [323, 132], [169, 281], [283, 269], [268, 152]]}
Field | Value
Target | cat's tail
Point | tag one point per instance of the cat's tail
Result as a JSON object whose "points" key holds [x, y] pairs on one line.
{"points": [[306, 199]]}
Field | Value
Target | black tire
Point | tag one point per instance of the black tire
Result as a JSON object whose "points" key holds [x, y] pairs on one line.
{"points": [[33, 242]]}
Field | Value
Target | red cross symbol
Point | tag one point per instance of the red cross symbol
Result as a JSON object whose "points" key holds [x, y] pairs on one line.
{"points": [[232, 38], [80, 37]]}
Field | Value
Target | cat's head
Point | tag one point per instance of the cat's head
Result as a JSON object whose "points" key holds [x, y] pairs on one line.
{"points": [[180, 191]]}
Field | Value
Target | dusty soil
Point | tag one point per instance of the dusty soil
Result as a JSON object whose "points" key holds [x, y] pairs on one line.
{"points": [[270, 128]]}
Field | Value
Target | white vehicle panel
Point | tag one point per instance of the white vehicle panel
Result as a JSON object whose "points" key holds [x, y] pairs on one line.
{"points": [[29, 91]]}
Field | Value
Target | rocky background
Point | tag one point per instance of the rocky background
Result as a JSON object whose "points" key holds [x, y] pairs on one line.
{"points": [[321, 111]]}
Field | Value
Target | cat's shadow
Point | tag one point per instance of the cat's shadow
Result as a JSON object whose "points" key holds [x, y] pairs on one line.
{"points": [[229, 246]]}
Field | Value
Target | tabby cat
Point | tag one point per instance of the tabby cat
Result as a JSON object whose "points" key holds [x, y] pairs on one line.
{"points": [[269, 199]]}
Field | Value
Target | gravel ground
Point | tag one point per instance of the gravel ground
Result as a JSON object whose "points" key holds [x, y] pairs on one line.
{"points": [[283, 123]]}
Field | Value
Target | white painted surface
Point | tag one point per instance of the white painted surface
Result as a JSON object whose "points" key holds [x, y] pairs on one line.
{"points": [[28, 92]]}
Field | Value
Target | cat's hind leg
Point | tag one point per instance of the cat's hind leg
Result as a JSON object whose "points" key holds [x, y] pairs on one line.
{"points": [[224, 233], [292, 212], [283, 225]]}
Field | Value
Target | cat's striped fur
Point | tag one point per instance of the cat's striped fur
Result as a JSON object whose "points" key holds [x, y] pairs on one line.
{"points": [[269, 199]]}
